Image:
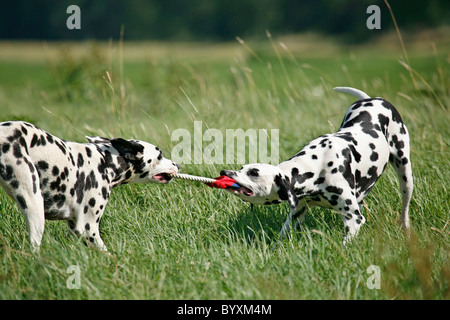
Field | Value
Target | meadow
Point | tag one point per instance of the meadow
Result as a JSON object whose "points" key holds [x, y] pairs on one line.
{"points": [[187, 241]]}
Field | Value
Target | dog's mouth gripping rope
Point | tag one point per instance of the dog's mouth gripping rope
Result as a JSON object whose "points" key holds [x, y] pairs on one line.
{"points": [[221, 182]]}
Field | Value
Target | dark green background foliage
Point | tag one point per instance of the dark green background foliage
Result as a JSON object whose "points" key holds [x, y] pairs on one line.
{"points": [[209, 20]]}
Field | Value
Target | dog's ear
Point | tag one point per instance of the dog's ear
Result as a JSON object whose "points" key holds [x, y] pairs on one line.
{"points": [[285, 191], [127, 149]]}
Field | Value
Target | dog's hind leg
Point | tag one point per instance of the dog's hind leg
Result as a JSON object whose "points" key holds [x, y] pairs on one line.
{"points": [[405, 179], [401, 161], [21, 183]]}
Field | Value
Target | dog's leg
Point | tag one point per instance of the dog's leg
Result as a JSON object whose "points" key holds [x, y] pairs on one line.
{"points": [[35, 217], [93, 236], [298, 215], [401, 161], [21, 182], [352, 218], [88, 229], [405, 179]]}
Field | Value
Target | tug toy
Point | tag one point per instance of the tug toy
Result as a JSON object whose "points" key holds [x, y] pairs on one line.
{"points": [[222, 182]]}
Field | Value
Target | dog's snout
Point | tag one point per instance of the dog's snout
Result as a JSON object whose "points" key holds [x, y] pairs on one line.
{"points": [[176, 165], [227, 173]]}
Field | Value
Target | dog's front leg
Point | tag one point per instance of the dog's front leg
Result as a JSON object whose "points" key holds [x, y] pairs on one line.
{"points": [[93, 236], [88, 229], [297, 215]]}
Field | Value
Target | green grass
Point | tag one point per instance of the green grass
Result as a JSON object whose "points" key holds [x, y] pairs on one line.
{"points": [[187, 241]]}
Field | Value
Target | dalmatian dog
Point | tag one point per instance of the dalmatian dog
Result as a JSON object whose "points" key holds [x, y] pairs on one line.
{"points": [[53, 179], [336, 171]]}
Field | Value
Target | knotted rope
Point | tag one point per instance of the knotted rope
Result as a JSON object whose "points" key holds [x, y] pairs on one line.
{"points": [[185, 176]]}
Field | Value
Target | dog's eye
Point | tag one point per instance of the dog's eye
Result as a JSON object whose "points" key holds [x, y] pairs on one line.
{"points": [[253, 172], [160, 155]]}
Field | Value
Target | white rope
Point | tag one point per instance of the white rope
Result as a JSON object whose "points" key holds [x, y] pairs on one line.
{"points": [[193, 178]]}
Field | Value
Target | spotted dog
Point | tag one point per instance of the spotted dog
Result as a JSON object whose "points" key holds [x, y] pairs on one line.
{"points": [[53, 179], [336, 171]]}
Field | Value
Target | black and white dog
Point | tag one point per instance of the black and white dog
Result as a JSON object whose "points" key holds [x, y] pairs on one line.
{"points": [[50, 178], [338, 170]]}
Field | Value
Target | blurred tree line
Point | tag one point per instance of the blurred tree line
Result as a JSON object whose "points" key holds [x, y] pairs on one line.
{"points": [[210, 19]]}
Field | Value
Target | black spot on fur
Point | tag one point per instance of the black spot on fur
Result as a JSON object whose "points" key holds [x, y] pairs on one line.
{"points": [[347, 170], [253, 172], [50, 138], [105, 193], [55, 185], [374, 156], [16, 135], [300, 178], [79, 186], [384, 123], [88, 152], [364, 119], [320, 180], [365, 183], [6, 172], [21, 200], [55, 171], [42, 165], [17, 150], [144, 175], [356, 154], [61, 146], [347, 136], [80, 160], [395, 115], [91, 181], [5, 147], [333, 189]]}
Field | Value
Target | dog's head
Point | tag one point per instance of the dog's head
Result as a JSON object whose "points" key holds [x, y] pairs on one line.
{"points": [[147, 160], [261, 184]]}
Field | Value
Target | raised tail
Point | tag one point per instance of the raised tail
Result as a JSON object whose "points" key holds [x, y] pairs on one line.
{"points": [[354, 92]]}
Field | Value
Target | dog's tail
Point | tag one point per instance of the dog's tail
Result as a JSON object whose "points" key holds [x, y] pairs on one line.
{"points": [[354, 92]]}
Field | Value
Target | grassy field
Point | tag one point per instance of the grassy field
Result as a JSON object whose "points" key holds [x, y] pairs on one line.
{"points": [[187, 241]]}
